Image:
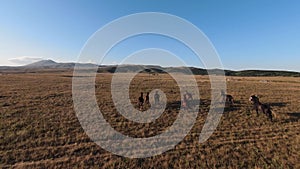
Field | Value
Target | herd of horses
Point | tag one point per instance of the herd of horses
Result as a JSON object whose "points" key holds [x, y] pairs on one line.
{"points": [[229, 100], [257, 105]]}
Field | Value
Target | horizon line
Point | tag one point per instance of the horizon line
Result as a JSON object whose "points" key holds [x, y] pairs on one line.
{"points": [[190, 66]]}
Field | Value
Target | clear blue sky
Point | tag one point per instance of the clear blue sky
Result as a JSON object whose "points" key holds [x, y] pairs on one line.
{"points": [[254, 34]]}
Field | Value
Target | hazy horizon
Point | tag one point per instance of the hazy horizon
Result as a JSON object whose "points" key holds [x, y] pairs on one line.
{"points": [[136, 64]]}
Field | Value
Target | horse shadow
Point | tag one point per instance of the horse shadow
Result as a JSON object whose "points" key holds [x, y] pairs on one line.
{"points": [[177, 104], [293, 117], [277, 104], [2, 96], [173, 105], [204, 105]]}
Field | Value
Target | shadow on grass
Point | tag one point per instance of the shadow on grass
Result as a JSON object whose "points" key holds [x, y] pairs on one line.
{"points": [[278, 104], [293, 117], [174, 105], [236, 106], [204, 104], [177, 104], [3, 97], [231, 108]]}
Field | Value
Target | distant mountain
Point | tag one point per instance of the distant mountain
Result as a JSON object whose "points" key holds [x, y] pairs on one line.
{"points": [[51, 65], [43, 63]]}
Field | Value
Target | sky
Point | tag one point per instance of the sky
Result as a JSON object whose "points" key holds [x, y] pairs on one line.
{"points": [[256, 34]]}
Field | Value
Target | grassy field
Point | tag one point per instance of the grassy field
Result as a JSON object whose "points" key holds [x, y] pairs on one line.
{"points": [[39, 127]]}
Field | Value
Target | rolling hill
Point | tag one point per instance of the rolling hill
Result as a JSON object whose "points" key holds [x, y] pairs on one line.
{"points": [[154, 69]]}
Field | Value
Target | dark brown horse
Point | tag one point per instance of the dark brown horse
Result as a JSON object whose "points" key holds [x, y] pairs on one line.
{"points": [[258, 106], [228, 98], [141, 101]]}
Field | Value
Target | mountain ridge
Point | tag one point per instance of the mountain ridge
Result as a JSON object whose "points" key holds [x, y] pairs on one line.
{"points": [[42, 63], [153, 69]]}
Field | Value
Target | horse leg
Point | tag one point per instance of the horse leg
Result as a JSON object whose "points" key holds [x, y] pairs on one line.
{"points": [[257, 114], [263, 110], [270, 114]]}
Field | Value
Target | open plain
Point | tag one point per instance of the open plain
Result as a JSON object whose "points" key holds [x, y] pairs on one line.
{"points": [[39, 127]]}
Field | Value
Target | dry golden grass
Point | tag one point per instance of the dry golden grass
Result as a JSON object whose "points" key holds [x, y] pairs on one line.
{"points": [[39, 128]]}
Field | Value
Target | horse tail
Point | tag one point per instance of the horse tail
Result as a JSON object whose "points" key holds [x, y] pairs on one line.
{"points": [[271, 112], [274, 114]]}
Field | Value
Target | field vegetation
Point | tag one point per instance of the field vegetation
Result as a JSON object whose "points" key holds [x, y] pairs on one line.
{"points": [[39, 127]]}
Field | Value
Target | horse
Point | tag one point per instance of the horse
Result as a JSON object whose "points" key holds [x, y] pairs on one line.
{"points": [[228, 98], [265, 108], [141, 101]]}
